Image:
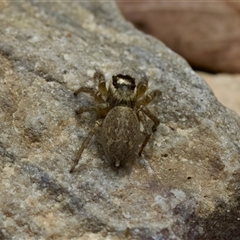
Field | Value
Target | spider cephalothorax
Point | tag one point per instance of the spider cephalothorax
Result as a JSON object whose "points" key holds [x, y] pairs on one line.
{"points": [[118, 120], [122, 90]]}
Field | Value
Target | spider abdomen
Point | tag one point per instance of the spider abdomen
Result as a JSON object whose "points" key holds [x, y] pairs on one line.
{"points": [[120, 134]]}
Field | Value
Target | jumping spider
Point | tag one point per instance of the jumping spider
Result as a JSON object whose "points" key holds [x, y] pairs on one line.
{"points": [[118, 109]]}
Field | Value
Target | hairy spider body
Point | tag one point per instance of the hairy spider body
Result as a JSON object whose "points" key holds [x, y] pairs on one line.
{"points": [[120, 134], [118, 118]]}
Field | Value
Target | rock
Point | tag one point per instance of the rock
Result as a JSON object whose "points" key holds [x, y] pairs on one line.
{"points": [[226, 87], [186, 184], [207, 35]]}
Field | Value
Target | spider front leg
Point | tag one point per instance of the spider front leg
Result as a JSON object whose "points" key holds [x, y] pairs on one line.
{"points": [[141, 88], [145, 100], [97, 126], [92, 92], [102, 89]]}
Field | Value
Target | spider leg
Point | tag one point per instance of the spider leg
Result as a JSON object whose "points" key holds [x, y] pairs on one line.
{"points": [[88, 90], [102, 89], [148, 98], [147, 135], [86, 109], [141, 88], [101, 109], [85, 143], [99, 76], [144, 144], [92, 92], [155, 120]]}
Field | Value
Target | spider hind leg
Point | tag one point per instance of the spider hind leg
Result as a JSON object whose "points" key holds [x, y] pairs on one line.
{"points": [[86, 141]]}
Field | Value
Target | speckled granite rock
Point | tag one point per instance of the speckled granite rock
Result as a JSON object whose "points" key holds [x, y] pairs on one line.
{"points": [[186, 185]]}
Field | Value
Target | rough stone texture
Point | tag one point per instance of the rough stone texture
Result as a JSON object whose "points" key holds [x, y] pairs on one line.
{"points": [[207, 35], [186, 185], [226, 87]]}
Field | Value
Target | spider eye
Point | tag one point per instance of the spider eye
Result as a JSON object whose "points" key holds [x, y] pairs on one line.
{"points": [[124, 82]]}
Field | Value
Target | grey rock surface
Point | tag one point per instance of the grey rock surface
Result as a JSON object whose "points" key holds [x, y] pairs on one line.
{"points": [[185, 186]]}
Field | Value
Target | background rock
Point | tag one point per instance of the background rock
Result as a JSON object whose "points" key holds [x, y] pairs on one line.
{"points": [[186, 185], [207, 35], [226, 87]]}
